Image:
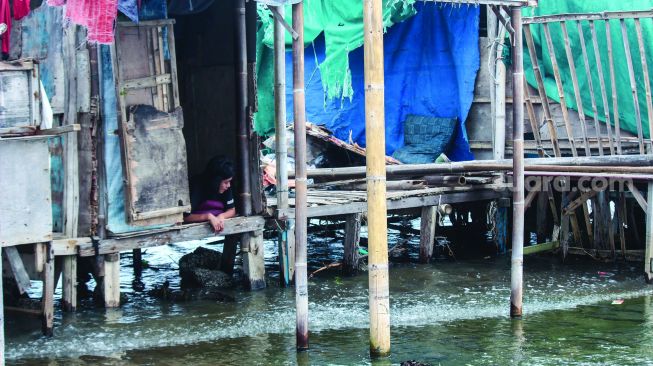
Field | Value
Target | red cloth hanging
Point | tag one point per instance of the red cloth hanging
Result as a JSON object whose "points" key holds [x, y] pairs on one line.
{"points": [[21, 9], [5, 17]]}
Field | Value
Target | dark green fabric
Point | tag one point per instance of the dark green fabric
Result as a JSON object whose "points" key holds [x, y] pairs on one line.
{"points": [[626, 106], [341, 22]]}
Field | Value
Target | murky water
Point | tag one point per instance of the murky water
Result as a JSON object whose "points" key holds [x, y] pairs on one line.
{"points": [[450, 313]]}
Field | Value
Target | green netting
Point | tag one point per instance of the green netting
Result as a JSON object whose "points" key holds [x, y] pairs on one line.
{"points": [[626, 106], [341, 22]]}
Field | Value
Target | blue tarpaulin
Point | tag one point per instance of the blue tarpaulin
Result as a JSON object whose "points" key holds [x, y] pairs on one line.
{"points": [[431, 61]]}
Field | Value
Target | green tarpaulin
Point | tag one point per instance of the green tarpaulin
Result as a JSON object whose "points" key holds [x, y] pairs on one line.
{"points": [[341, 22], [626, 106]]}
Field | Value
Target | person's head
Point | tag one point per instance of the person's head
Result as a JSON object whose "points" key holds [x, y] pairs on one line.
{"points": [[219, 172]]}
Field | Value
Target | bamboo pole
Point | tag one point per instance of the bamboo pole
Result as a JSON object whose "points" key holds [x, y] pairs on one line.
{"points": [[633, 86], [516, 271], [577, 94], [604, 94], [533, 120], [647, 81], [286, 245], [2, 318], [615, 99], [648, 258], [499, 88], [561, 90], [553, 134], [588, 74], [242, 142], [379, 301], [301, 221]]}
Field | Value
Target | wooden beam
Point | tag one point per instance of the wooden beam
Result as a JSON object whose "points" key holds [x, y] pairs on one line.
{"points": [[69, 296], [47, 299], [233, 226], [638, 195], [539, 248], [604, 94], [146, 82], [428, 224], [253, 260], [573, 205], [605, 15], [352, 238], [613, 82], [645, 74], [279, 18], [633, 86], [112, 280], [18, 269]]}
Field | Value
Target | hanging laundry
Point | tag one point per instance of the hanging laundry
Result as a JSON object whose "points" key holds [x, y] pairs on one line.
{"points": [[56, 2], [98, 16], [5, 17], [129, 8], [21, 9]]}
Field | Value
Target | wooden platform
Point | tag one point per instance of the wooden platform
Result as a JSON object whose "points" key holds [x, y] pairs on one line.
{"points": [[336, 202]]}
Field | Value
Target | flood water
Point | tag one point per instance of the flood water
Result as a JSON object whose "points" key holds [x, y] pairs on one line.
{"points": [[447, 312]]}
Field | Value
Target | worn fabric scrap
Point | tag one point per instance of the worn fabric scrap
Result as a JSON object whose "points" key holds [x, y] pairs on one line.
{"points": [[21, 9], [129, 8], [98, 16]]}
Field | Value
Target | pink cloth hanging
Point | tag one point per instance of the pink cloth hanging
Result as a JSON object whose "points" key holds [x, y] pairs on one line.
{"points": [[5, 17], [98, 16], [21, 9]]}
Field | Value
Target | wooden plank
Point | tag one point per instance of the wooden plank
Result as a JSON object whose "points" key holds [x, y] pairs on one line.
{"points": [[18, 65], [26, 213], [633, 85], [408, 202], [540, 87], [645, 74], [69, 287], [18, 269], [112, 280], [638, 195], [253, 260], [352, 237], [589, 16], [146, 82], [573, 205], [83, 80], [561, 90], [175, 234], [428, 224], [613, 82], [71, 188], [60, 130], [173, 66], [539, 248], [155, 148], [47, 300], [160, 53], [604, 94], [590, 84], [577, 92], [19, 92]]}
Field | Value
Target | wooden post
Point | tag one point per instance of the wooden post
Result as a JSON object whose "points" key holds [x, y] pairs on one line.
{"points": [[70, 283], [499, 101], [516, 281], [229, 254], [253, 260], [2, 317], [648, 259], [615, 100], [633, 86], [590, 85], [352, 237], [242, 143], [379, 291], [286, 242], [427, 233], [137, 262], [301, 219], [47, 301], [541, 217], [112, 280]]}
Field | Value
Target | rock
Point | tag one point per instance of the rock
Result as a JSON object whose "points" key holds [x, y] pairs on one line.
{"points": [[413, 363], [200, 269]]}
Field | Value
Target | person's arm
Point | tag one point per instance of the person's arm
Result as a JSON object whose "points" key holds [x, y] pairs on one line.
{"points": [[217, 222]]}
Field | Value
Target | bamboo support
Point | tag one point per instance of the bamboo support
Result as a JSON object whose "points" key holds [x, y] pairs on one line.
{"points": [[69, 296], [301, 220], [561, 91], [590, 84], [553, 134], [648, 257], [516, 271], [352, 237], [604, 94], [533, 120], [2, 317], [633, 86], [286, 245], [613, 82], [242, 142], [645, 74], [499, 88], [427, 233], [379, 301], [577, 93]]}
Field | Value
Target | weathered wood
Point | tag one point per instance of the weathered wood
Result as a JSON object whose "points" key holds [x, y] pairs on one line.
{"points": [[21, 91], [229, 250], [638, 195], [539, 248], [590, 85], [40, 256], [573, 205], [541, 218], [648, 256], [18, 269], [615, 99], [622, 221], [47, 300], [166, 236], [69, 296], [633, 85], [26, 213], [577, 92], [533, 119], [146, 82], [561, 91], [253, 260], [352, 237], [645, 74], [54, 131], [540, 87], [155, 148], [605, 15], [428, 224], [604, 94], [71, 188], [112, 280]]}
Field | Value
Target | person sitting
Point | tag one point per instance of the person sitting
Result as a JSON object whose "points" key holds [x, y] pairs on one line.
{"points": [[211, 196]]}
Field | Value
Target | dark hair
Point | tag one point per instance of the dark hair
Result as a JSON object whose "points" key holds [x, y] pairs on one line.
{"points": [[218, 169]]}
